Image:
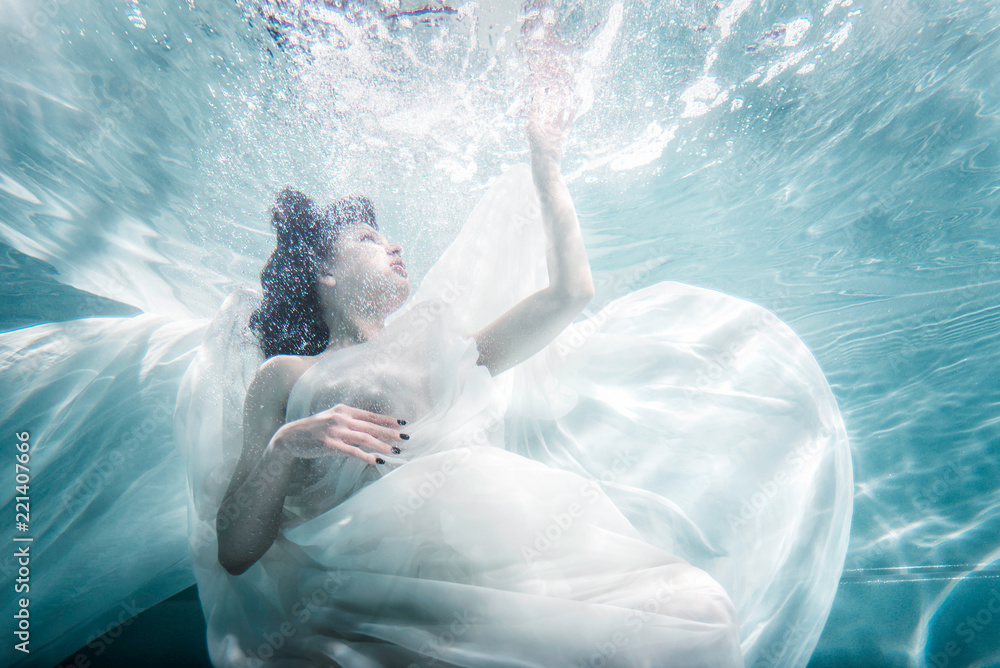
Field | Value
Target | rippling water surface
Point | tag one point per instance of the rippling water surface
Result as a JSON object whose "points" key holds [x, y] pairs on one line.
{"points": [[835, 161]]}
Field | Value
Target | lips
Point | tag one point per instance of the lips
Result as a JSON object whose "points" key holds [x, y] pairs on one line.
{"points": [[400, 265]]}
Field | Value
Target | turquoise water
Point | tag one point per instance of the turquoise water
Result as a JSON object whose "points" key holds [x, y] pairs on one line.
{"points": [[836, 162]]}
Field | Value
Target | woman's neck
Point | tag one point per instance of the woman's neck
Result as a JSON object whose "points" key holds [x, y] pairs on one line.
{"points": [[351, 328]]}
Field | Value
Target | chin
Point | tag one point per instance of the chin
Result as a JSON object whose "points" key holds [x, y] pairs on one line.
{"points": [[399, 296]]}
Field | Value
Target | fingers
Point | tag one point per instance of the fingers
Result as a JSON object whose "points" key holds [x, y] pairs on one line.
{"points": [[566, 117], [354, 451], [536, 14], [551, 107], [551, 121], [352, 429], [368, 416], [358, 444], [531, 12], [378, 431]]}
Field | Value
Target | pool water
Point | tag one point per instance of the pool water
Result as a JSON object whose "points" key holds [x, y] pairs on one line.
{"points": [[837, 162]]}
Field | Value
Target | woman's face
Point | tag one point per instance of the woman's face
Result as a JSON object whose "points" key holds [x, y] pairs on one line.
{"points": [[369, 271]]}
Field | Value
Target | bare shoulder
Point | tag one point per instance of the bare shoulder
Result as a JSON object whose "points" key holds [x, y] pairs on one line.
{"points": [[278, 374]]}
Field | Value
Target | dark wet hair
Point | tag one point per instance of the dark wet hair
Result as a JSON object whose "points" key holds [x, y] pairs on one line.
{"points": [[289, 320]]}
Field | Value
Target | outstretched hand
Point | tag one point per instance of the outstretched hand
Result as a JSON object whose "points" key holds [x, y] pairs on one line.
{"points": [[553, 104]]}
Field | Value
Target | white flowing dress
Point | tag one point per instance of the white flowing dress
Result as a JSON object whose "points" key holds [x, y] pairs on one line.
{"points": [[668, 483]]}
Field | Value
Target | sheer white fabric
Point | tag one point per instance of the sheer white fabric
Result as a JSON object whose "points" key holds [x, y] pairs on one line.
{"points": [[106, 483], [669, 465], [694, 432]]}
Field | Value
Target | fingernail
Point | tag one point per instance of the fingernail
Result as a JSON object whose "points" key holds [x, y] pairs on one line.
{"points": [[379, 460], [405, 437], [402, 422], [396, 450]]}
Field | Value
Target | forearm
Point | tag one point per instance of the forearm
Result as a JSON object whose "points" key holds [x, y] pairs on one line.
{"points": [[249, 517], [566, 254]]}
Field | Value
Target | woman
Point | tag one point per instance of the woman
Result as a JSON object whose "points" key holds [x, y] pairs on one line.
{"points": [[331, 284], [553, 514], [359, 280], [466, 477]]}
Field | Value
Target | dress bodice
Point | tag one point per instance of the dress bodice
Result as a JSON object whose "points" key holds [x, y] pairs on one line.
{"points": [[421, 368], [355, 376]]}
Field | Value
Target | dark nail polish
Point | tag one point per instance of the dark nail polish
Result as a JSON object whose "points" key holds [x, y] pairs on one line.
{"points": [[401, 422], [379, 460], [405, 437], [396, 450]]}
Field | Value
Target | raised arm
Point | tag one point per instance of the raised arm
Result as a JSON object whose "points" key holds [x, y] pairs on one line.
{"points": [[535, 321]]}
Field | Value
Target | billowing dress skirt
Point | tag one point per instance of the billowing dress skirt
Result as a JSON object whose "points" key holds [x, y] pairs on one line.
{"points": [[666, 484]]}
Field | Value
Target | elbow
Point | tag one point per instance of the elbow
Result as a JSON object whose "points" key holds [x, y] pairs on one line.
{"points": [[233, 564], [230, 556], [237, 569], [579, 295]]}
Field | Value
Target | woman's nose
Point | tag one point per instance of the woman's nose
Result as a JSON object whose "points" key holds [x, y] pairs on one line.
{"points": [[395, 249]]}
